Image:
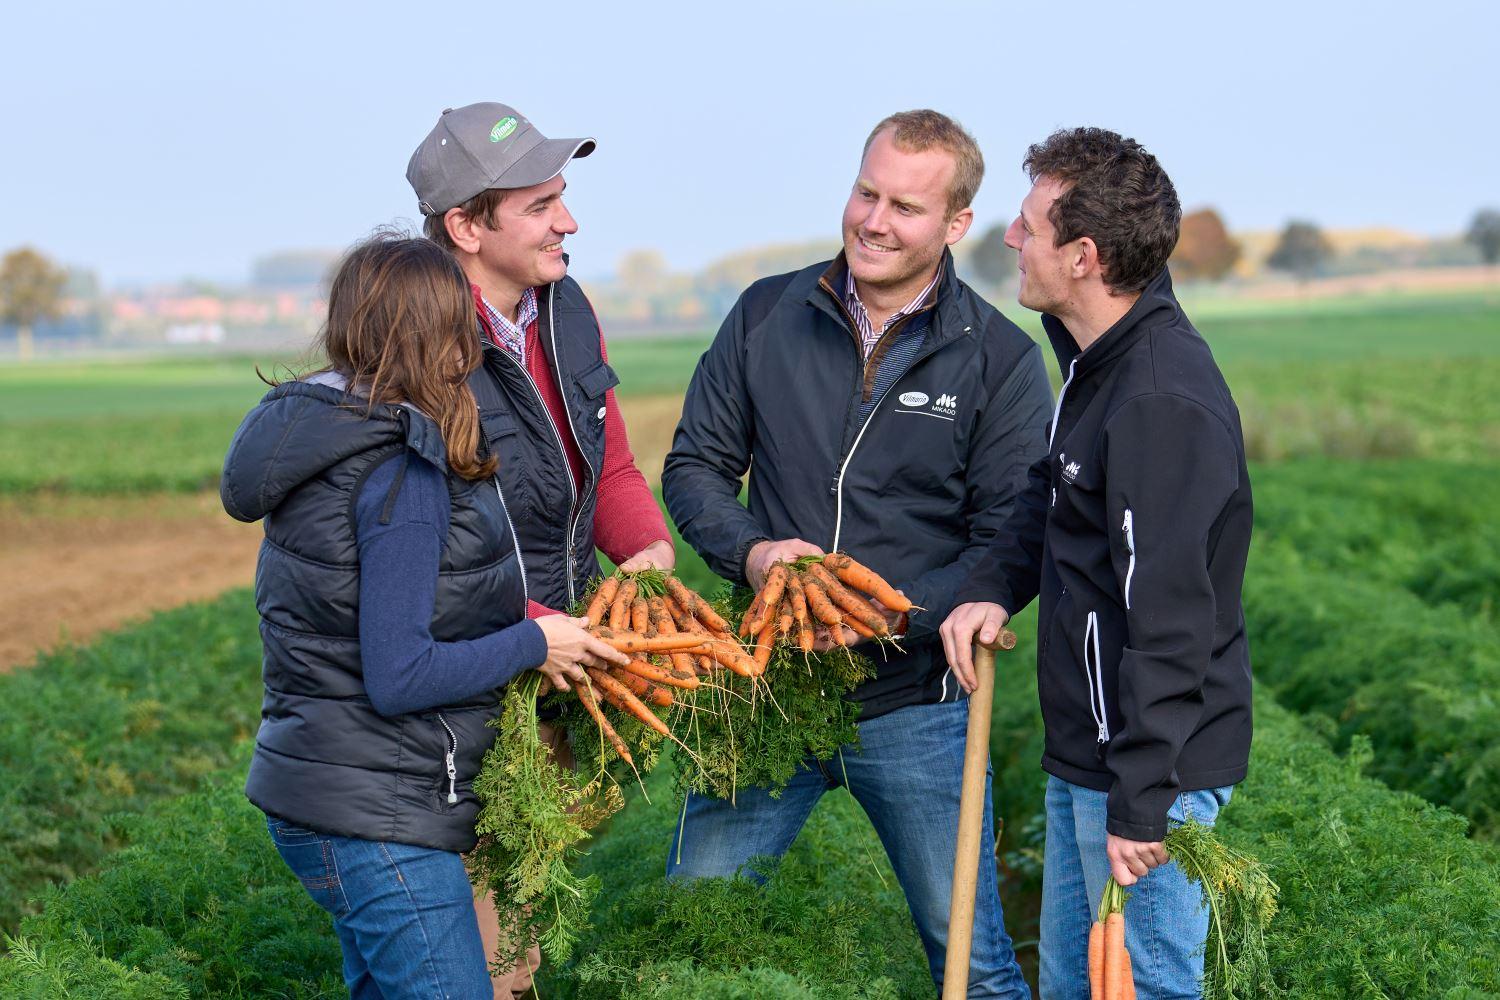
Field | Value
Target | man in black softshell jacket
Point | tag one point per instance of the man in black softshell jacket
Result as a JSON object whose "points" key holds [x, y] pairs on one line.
{"points": [[883, 409], [1134, 531]]}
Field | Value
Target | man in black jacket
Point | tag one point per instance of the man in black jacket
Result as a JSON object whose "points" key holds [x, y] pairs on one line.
{"points": [[1134, 530], [883, 409]]}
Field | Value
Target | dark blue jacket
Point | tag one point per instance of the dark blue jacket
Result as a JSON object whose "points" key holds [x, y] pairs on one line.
{"points": [[1135, 529], [915, 486], [324, 757]]}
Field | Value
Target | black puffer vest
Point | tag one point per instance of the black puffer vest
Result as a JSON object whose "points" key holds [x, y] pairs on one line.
{"points": [[553, 517], [324, 758]]}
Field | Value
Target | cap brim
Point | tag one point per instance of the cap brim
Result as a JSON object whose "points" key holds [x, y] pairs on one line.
{"points": [[543, 162]]}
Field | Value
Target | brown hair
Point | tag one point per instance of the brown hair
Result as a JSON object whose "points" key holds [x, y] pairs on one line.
{"points": [[481, 208], [924, 129], [1117, 195], [402, 329]]}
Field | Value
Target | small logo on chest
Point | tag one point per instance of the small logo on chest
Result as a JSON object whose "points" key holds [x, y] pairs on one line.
{"points": [[1070, 470]]}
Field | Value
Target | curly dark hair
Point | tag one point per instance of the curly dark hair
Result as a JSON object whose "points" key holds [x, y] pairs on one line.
{"points": [[1117, 195]]}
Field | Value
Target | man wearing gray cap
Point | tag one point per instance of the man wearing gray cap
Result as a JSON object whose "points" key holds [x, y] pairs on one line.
{"points": [[490, 187]]}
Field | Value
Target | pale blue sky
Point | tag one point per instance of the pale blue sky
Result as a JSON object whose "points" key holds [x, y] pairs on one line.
{"points": [[153, 140]]}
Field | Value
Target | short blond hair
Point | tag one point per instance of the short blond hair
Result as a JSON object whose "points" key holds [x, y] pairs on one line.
{"points": [[921, 130]]}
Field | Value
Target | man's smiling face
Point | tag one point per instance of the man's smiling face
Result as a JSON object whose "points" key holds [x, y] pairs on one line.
{"points": [[897, 222]]}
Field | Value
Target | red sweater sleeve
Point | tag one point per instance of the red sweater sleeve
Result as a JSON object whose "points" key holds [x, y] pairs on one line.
{"points": [[626, 518]]}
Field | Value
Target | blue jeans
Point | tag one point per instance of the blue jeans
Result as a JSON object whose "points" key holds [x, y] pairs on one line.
{"points": [[907, 775], [1165, 920], [404, 915]]}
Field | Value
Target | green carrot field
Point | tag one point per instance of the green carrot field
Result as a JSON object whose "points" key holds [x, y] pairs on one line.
{"points": [[132, 866]]}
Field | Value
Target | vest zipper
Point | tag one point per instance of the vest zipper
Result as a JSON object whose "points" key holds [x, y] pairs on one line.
{"points": [[562, 452], [449, 761], [514, 540], [577, 509]]}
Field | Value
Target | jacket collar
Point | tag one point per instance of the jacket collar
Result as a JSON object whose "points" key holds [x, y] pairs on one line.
{"points": [[828, 296], [1157, 302]]}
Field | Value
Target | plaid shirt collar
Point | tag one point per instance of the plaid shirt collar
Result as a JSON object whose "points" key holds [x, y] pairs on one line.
{"points": [[512, 336], [868, 335]]}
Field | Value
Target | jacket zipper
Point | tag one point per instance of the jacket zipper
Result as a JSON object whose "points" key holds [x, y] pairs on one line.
{"points": [[556, 436], [1129, 528], [514, 540], [1094, 675], [1057, 413], [449, 760]]}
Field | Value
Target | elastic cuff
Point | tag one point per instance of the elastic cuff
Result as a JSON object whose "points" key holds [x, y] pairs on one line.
{"points": [[533, 644], [1148, 833]]}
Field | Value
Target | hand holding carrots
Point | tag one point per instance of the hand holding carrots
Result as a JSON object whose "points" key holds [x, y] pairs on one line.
{"points": [[570, 649], [1110, 974], [764, 555], [1133, 859]]}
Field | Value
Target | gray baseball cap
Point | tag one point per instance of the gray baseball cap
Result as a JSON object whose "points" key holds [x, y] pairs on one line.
{"points": [[482, 146]]}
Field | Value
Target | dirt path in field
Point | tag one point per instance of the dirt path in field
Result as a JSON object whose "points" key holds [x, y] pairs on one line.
{"points": [[71, 567]]}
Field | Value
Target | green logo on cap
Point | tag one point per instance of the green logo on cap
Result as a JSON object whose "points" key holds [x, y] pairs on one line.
{"points": [[503, 128]]}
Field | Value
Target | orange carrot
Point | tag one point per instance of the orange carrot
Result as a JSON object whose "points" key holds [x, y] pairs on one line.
{"points": [[786, 625], [642, 667], [640, 616], [666, 626], [635, 642], [642, 688], [619, 695], [1114, 956], [696, 605], [732, 655], [601, 599], [819, 604], [1129, 975], [863, 578], [619, 609], [851, 605], [768, 600], [763, 643], [1096, 960], [752, 615], [860, 628], [586, 695]]}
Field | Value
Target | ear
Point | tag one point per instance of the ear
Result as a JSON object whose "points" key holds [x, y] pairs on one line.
{"points": [[461, 230], [1083, 260], [959, 225]]}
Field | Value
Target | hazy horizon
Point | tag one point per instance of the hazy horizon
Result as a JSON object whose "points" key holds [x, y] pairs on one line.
{"points": [[149, 145]]}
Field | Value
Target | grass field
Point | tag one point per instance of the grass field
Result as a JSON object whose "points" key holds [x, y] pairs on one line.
{"points": [[1375, 428], [1337, 379]]}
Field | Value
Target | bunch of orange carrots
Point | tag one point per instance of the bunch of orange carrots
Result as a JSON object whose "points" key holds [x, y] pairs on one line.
{"points": [[827, 590], [1110, 975], [674, 637]]}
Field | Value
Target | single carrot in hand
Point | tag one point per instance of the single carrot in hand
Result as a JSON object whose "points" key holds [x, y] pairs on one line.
{"points": [[640, 617], [1096, 960], [1129, 975], [1114, 956], [763, 643], [635, 642], [862, 577], [599, 605]]}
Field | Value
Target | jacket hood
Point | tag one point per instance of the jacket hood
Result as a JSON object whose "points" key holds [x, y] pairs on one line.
{"points": [[1156, 304], [302, 428]]}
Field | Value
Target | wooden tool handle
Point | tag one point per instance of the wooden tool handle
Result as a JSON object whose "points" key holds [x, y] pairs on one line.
{"points": [[970, 823]]}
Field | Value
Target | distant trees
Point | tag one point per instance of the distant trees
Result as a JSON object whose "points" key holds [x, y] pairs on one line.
{"points": [[1301, 250], [993, 262], [31, 289], [1484, 233], [1205, 250]]}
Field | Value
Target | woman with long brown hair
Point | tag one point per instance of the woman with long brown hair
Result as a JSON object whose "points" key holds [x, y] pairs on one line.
{"points": [[393, 607]]}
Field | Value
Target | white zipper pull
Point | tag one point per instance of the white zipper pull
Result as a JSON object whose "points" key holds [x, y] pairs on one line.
{"points": [[1126, 526], [452, 779]]}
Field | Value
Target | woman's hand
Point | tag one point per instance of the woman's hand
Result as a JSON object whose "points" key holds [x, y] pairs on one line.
{"points": [[570, 649]]}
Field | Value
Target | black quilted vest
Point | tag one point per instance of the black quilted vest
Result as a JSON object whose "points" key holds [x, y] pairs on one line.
{"points": [[324, 758], [554, 520]]}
